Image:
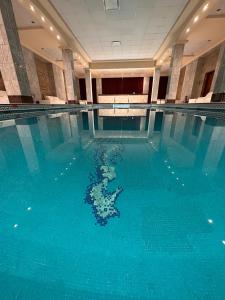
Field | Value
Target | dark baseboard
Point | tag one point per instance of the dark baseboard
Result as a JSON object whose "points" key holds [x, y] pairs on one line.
{"points": [[218, 97], [20, 99]]}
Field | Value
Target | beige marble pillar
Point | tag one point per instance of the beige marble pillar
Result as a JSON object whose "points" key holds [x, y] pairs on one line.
{"points": [[155, 84], [32, 74], [77, 88], [68, 62], [59, 82], [146, 85], [218, 84], [12, 63], [88, 82], [99, 86], [189, 79], [174, 73]]}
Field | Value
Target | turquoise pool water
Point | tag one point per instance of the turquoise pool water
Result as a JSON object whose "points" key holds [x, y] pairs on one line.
{"points": [[98, 205]]}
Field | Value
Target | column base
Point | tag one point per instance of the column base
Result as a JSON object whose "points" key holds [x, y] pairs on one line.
{"points": [[20, 99], [218, 97]]}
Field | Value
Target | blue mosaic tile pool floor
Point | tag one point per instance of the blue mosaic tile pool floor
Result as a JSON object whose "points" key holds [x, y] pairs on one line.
{"points": [[112, 208]]}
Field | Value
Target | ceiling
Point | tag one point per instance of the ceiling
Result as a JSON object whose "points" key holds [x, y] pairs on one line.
{"points": [[140, 26], [23, 18], [208, 33]]}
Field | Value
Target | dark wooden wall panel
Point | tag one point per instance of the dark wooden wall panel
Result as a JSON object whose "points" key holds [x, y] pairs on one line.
{"points": [[2, 85], [150, 89], [117, 86], [82, 89], [82, 85], [94, 90], [162, 87]]}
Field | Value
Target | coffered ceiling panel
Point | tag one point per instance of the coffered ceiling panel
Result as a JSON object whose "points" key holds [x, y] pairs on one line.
{"points": [[140, 26]]}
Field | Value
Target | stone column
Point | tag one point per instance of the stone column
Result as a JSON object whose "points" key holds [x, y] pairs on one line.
{"points": [[77, 88], [12, 63], [218, 84], [68, 61], [59, 82], [88, 83], [174, 74], [99, 86], [32, 74], [155, 84], [189, 79], [146, 85]]}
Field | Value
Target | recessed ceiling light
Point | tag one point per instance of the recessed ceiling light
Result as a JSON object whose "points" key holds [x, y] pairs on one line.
{"points": [[205, 6], [187, 30], [51, 28], [43, 19], [58, 37], [111, 5], [196, 19], [116, 43], [32, 8]]}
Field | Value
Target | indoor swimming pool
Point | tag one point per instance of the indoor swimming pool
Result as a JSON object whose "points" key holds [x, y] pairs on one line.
{"points": [[112, 204]]}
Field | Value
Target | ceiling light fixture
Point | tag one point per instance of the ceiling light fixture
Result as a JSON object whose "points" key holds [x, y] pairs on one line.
{"points": [[205, 6], [116, 43], [58, 37], [111, 5], [51, 28], [32, 8], [196, 19], [43, 19], [187, 30]]}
